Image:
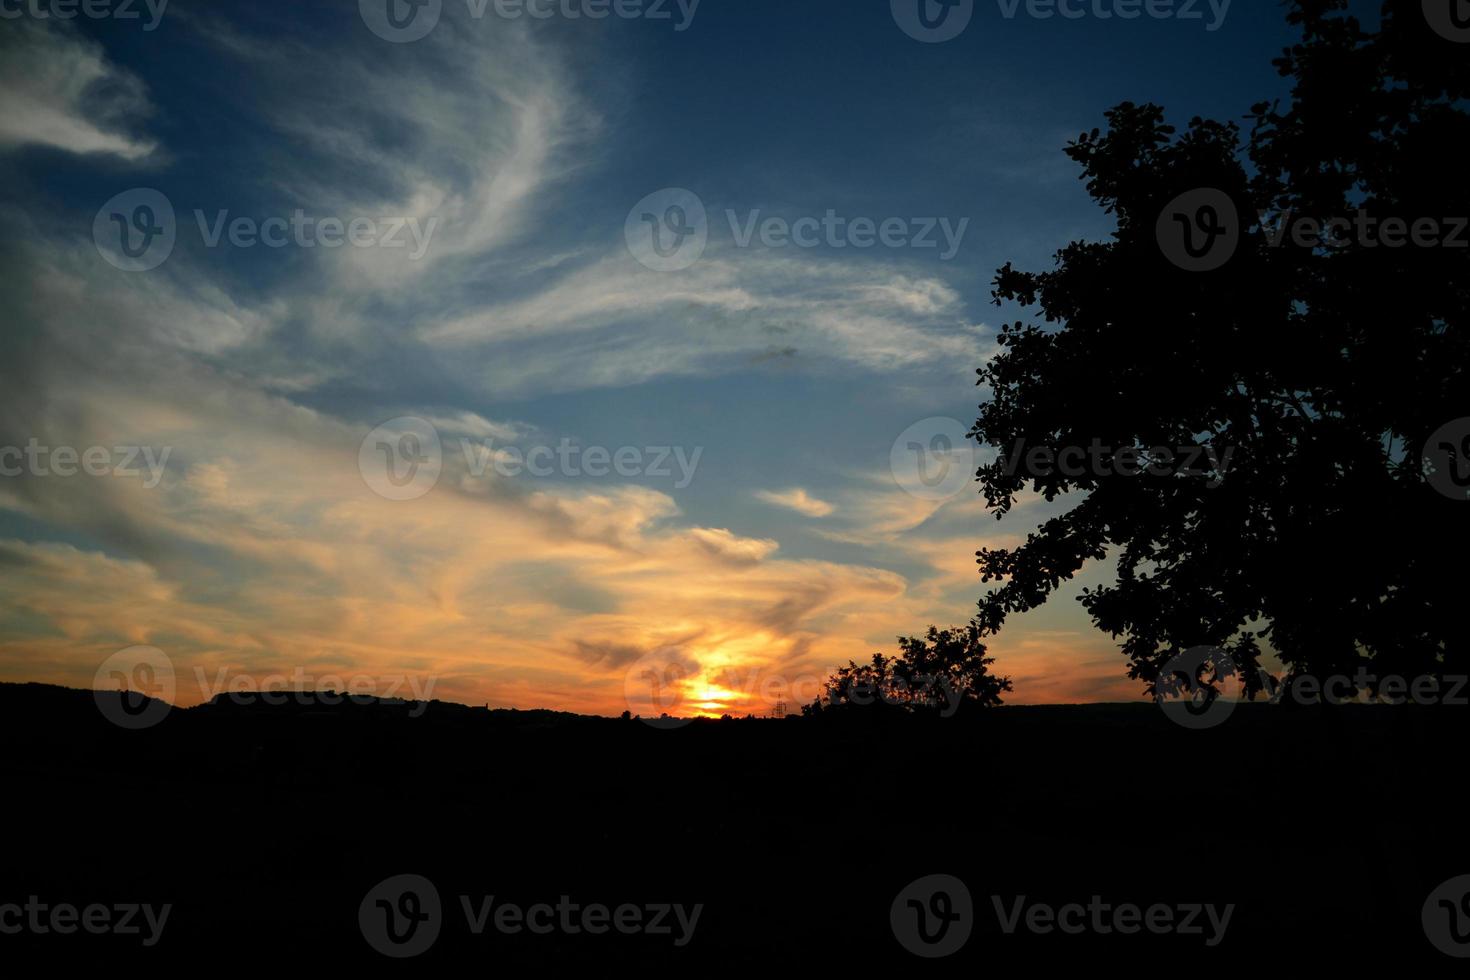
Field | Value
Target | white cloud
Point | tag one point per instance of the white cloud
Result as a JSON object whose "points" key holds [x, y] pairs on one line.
{"points": [[264, 545], [57, 89], [476, 426], [613, 322], [796, 499]]}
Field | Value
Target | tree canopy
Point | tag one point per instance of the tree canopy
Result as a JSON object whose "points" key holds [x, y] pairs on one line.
{"points": [[1326, 368], [936, 673]]}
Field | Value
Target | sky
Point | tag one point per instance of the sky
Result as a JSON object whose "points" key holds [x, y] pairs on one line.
{"points": [[494, 358]]}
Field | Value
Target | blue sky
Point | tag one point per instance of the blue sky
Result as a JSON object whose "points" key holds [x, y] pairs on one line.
{"points": [[527, 320]]}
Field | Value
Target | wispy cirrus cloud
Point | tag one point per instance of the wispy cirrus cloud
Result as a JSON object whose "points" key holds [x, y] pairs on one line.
{"points": [[263, 546], [58, 89], [796, 499], [612, 322]]}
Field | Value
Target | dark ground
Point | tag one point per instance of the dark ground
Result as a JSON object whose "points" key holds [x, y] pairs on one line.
{"points": [[265, 827]]}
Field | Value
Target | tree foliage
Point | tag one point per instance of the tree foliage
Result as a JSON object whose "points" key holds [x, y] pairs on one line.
{"points": [[1324, 370], [938, 672]]}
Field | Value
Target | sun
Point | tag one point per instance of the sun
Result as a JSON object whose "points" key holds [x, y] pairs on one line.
{"points": [[711, 700]]}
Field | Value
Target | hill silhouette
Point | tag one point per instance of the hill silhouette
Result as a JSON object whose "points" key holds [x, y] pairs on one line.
{"points": [[266, 825]]}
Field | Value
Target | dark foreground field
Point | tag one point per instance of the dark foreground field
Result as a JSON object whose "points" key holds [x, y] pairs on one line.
{"points": [[265, 828]]}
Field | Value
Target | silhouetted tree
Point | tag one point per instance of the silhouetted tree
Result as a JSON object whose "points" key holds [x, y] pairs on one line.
{"points": [[1322, 370], [941, 670]]}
